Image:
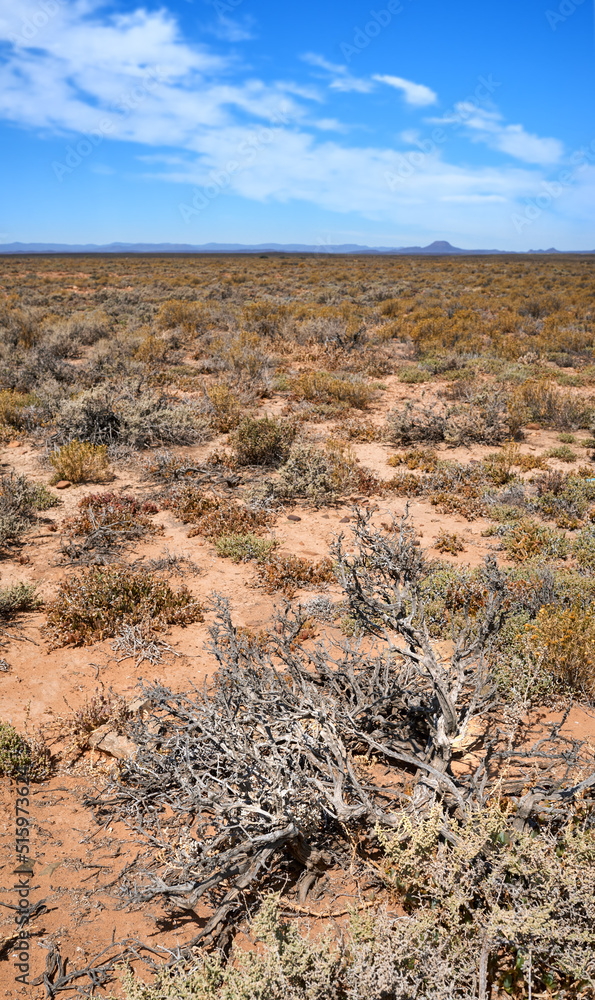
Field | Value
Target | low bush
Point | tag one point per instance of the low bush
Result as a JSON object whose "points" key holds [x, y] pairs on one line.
{"points": [[528, 540], [22, 758], [17, 598], [563, 454], [449, 541], [262, 441], [564, 641], [191, 317], [323, 387], [93, 605], [244, 547], [80, 462], [213, 517], [20, 501], [425, 459], [583, 548], [321, 476], [540, 402], [288, 572], [224, 407]]}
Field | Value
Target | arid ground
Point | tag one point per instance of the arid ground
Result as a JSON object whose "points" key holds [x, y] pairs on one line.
{"points": [[297, 625]]}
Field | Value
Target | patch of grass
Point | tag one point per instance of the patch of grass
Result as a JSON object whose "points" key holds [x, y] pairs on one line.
{"points": [[21, 757], [93, 605], [243, 548], [191, 317], [18, 598], [80, 462], [262, 441], [567, 438]]}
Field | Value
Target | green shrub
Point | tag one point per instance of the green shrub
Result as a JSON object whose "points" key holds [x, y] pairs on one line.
{"points": [[20, 500], [262, 441], [563, 453], [80, 462], [528, 540], [22, 758], [242, 548], [92, 606], [414, 375], [18, 598]]}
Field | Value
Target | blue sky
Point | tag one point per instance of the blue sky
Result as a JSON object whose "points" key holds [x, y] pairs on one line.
{"points": [[251, 120]]}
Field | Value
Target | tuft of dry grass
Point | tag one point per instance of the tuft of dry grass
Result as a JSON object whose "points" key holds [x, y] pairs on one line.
{"points": [[80, 462]]}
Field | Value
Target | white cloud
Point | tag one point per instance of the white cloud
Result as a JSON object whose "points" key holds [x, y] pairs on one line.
{"points": [[341, 79], [415, 93], [137, 72], [488, 127]]}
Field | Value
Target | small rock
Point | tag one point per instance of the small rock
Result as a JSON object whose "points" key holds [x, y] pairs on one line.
{"points": [[345, 520], [138, 704], [293, 517], [13, 444], [533, 427], [63, 484], [104, 738]]}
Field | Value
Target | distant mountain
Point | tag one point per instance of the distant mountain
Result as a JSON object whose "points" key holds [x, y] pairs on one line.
{"points": [[439, 247]]}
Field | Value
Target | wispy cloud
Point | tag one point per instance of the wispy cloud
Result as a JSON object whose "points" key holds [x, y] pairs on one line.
{"points": [[414, 93], [489, 127], [340, 77]]}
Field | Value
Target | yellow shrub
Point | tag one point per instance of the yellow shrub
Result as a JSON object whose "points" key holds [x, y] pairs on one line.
{"points": [[80, 462], [565, 642]]}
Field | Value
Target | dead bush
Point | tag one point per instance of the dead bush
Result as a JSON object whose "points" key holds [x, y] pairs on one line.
{"points": [[262, 441]]}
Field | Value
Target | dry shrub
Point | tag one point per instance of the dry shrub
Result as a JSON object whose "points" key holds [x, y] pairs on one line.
{"points": [[480, 419], [95, 604], [357, 429], [17, 598], [448, 541], [245, 547], [321, 476], [191, 317], [20, 500], [213, 517], [288, 572], [323, 387], [543, 403], [105, 521], [564, 641], [80, 462], [152, 350], [262, 441], [224, 407], [425, 459], [529, 540], [265, 318], [14, 410]]}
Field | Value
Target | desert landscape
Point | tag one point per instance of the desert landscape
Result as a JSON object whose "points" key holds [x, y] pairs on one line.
{"points": [[297, 675]]}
